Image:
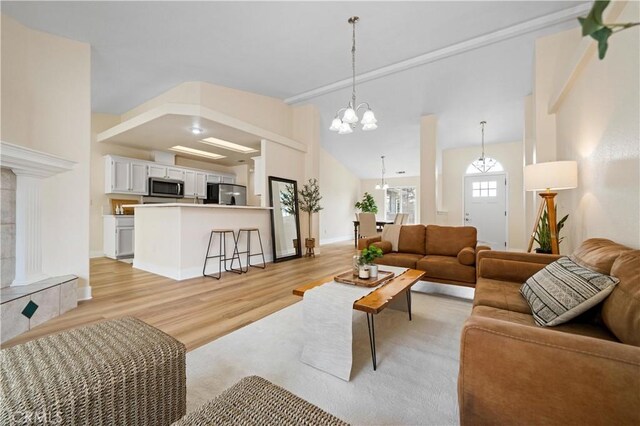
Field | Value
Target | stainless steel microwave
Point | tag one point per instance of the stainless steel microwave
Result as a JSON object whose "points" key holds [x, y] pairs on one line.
{"points": [[168, 188]]}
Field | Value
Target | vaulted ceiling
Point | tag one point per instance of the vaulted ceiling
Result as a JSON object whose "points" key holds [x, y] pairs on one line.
{"points": [[293, 50]]}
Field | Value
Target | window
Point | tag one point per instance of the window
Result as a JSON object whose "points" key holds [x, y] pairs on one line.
{"points": [[487, 188], [401, 200], [471, 170]]}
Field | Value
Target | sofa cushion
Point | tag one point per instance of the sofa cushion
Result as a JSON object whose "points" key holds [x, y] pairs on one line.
{"points": [[446, 268], [598, 254], [449, 240], [412, 239], [403, 260], [467, 256], [500, 294], [563, 290], [621, 310], [573, 327], [385, 246]]}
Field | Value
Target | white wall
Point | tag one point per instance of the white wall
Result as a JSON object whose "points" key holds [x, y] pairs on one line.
{"points": [[46, 106], [454, 165], [369, 185], [340, 190], [598, 125]]}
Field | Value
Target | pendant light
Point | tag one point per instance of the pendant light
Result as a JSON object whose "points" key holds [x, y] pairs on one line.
{"points": [[383, 184], [347, 122], [483, 164]]}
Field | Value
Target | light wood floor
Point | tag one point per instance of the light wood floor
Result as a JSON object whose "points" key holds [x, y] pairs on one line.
{"points": [[198, 310]]}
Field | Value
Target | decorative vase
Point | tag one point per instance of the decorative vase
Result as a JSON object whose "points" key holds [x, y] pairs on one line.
{"points": [[373, 271], [356, 264], [542, 251], [363, 272]]}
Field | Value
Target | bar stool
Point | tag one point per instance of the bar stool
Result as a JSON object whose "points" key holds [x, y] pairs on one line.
{"points": [[248, 251], [222, 253]]}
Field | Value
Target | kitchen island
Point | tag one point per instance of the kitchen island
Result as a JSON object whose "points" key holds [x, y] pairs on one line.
{"points": [[171, 239]]}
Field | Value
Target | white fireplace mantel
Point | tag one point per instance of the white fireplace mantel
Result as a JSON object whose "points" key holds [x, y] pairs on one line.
{"points": [[31, 167], [27, 161]]}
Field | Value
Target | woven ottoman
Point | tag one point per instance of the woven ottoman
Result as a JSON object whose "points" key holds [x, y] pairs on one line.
{"points": [[256, 401], [115, 372]]}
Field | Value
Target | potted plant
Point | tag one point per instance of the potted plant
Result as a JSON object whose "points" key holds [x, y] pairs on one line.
{"points": [[310, 203], [367, 266], [543, 233], [367, 205]]}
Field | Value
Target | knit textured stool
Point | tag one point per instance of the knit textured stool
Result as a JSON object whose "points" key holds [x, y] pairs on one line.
{"points": [[222, 253], [116, 372], [248, 251], [256, 401]]}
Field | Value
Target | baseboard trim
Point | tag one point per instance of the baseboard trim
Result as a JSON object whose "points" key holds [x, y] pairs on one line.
{"points": [[93, 254], [84, 293]]}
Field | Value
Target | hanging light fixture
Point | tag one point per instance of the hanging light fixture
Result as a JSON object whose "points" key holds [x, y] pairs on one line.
{"points": [[383, 184], [483, 164], [347, 122]]}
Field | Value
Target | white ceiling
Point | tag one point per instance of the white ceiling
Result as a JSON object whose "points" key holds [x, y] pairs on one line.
{"points": [[283, 49]]}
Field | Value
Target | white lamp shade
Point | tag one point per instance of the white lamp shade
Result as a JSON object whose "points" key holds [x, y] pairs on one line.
{"points": [[368, 118], [335, 125], [350, 116], [368, 127], [345, 129], [554, 175], [378, 186]]}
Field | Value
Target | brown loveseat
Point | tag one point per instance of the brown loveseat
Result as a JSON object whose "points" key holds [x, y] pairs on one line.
{"points": [[586, 371], [446, 253]]}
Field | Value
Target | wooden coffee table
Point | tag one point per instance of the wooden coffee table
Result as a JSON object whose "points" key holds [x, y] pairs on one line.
{"points": [[376, 301]]}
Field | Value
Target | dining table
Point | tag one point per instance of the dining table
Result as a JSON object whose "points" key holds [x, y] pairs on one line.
{"points": [[356, 226]]}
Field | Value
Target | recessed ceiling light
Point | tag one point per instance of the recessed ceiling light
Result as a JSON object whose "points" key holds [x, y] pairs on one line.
{"points": [[401, 172], [196, 130], [241, 161], [191, 151], [228, 145]]}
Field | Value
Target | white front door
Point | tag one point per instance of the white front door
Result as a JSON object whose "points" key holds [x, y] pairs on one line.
{"points": [[485, 208]]}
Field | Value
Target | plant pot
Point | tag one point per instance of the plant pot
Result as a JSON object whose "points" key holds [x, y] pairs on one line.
{"points": [[373, 271], [310, 242], [363, 272], [542, 251]]}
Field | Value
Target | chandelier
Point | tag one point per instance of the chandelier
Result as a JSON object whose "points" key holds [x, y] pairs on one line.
{"points": [[383, 184], [347, 122], [483, 164]]}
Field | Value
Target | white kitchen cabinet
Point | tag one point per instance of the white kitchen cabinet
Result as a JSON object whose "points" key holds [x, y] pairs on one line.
{"points": [[258, 176], [118, 236], [189, 184], [228, 179], [157, 171], [125, 176], [201, 185], [139, 178], [165, 172], [213, 178], [175, 173], [195, 184]]}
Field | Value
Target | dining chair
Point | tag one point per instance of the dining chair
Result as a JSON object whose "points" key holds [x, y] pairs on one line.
{"points": [[404, 218], [397, 220], [367, 225]]}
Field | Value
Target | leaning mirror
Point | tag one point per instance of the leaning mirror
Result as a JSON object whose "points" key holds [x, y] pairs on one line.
{"points": [[285, 223]]}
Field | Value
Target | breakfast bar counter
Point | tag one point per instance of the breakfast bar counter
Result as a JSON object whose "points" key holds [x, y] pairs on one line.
{"points": [[171, 239]]}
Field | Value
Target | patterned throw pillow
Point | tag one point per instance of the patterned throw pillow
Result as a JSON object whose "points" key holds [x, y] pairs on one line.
{"points": [[563, 290]]}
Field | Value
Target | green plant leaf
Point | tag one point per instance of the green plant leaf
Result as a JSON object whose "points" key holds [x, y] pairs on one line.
{"points": [[602, 36], [589, 26]]}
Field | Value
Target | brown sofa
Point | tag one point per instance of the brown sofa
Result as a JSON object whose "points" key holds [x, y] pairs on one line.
{"points": [[586, 371], [446, 253]]}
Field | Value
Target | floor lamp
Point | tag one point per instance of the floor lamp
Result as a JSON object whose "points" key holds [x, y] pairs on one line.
{"points": [[548, 177]]}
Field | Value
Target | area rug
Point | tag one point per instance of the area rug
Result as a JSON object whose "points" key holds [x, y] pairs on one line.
{"points": [[416, 379]]}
